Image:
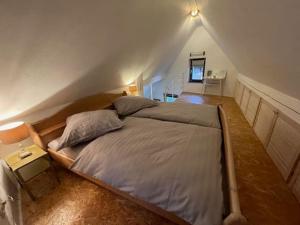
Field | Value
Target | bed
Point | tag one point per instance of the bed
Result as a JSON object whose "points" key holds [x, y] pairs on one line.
{"points": [[212, 136]]}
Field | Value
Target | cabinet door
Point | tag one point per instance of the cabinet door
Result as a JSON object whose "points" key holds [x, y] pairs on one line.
{"points": [[265, 121], [252, 108], [296, 188], [239, 92], [245, 100], [295, 182], [236, 89], [284, 145]]}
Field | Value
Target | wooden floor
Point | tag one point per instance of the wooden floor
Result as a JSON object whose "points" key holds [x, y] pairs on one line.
{"points": [[265, 198]]}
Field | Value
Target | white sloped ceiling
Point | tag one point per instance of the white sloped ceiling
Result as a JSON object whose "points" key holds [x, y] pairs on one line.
{"points": [[262, 38], [59, 50]]}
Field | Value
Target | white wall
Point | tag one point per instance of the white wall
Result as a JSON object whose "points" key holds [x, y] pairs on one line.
{"points": [[200, 41], [57, 51], [260, 37]]}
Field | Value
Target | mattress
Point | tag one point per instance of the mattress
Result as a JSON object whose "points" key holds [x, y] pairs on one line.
{"points": [[70, 152], [175, 166]]}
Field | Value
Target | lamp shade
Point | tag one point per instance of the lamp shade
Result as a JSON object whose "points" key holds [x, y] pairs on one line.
{"points": [[132, 88], [13, 132]]}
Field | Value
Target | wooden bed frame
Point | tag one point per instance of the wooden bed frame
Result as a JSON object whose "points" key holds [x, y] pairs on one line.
{"points": [[46, 130]]}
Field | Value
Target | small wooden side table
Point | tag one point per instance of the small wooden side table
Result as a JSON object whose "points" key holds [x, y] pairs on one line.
{"points": [[28, 168]]}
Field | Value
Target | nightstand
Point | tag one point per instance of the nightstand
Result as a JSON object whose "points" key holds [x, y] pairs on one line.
{"points": [[28, 168]]}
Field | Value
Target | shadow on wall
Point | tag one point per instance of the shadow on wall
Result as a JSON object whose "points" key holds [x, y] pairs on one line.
{"points": [[107, 76], [82, 87], [169, 52]]}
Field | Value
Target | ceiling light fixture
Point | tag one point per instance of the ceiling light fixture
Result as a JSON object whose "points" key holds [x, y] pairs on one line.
{"points": [[195, 11]]}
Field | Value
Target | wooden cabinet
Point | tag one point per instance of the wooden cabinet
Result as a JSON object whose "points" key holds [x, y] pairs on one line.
{"points": [[279, 134]]}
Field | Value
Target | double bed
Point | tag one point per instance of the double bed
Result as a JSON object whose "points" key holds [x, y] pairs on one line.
{"points": [[173, 159]]}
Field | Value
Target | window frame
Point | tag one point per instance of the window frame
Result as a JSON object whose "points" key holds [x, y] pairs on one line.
{"points": [[191, 80]]}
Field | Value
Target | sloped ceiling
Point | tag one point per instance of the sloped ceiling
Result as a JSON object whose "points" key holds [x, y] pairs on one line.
{"points": [[262, 38], [56, 51]]}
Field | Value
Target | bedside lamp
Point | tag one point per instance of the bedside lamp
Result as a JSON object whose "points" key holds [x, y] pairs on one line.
{"points": [[13, 133], [132, 89]]}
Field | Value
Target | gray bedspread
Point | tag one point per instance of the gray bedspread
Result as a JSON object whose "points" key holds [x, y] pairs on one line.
{"points": [[202, 115], [174, 166]]}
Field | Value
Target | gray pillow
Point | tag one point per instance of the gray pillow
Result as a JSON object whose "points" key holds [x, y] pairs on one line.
{"points": [[87, 126], [126, 105]]}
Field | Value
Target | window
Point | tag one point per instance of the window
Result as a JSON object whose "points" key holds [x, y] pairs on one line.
{"points": [[197, 69]]}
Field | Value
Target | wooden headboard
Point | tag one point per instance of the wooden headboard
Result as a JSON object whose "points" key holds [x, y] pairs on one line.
{"points": [[46, 130]]}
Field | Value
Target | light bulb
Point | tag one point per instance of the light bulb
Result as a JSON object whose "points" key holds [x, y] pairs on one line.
{"points": [[195, 12]]}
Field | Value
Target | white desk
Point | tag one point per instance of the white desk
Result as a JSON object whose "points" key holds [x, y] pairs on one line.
{"points": [[213, 81]]}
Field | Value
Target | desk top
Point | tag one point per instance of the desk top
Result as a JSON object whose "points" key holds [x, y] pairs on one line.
{"points": [[215, 78], [15, 162]]}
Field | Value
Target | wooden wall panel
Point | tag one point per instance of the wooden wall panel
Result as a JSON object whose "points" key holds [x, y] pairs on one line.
{"points": [[284, 146], [279, 134], [239, 93], [295, 182], [264, 122], [252, 108], [236, 90], [296, 188], [245, 99]]}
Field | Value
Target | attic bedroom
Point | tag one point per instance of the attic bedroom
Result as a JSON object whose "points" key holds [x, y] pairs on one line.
{"points": [[161, 112]]}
